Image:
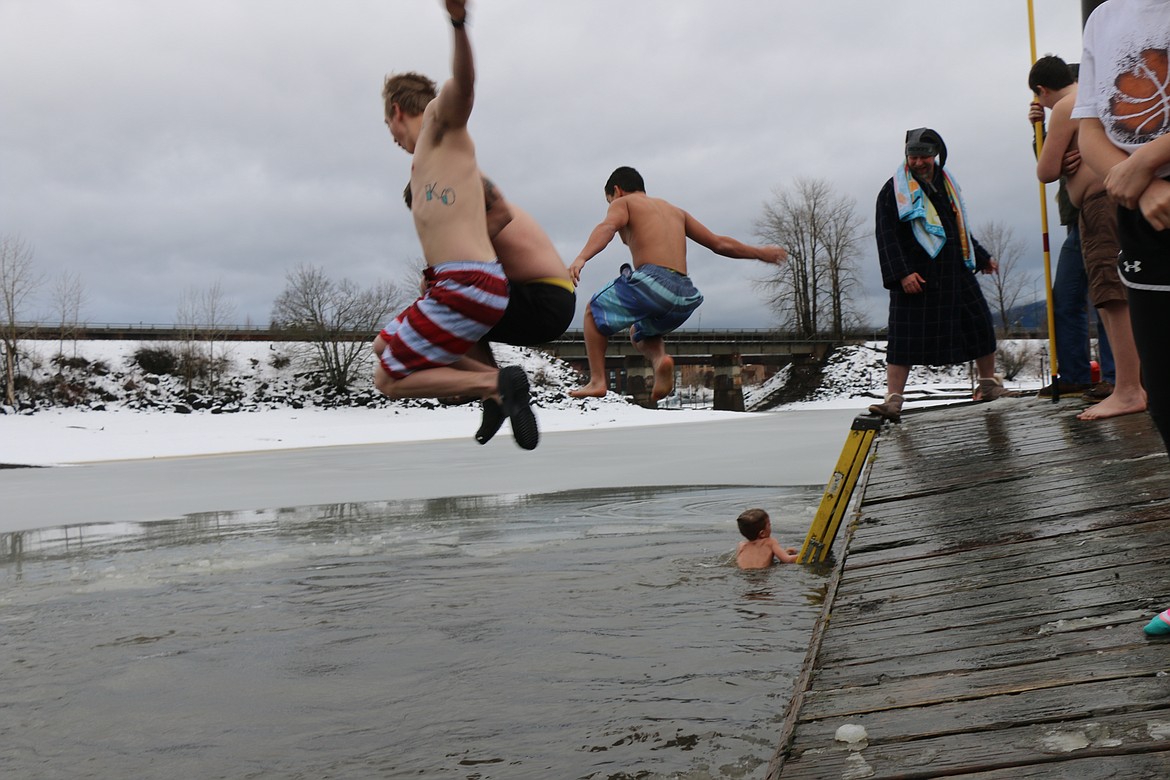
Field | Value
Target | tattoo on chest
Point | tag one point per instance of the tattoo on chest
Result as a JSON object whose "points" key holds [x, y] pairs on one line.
{"points": [[446, 195]]}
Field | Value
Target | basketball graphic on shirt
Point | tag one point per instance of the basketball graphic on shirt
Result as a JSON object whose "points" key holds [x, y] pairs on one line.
{"points": [[1141, 105]]}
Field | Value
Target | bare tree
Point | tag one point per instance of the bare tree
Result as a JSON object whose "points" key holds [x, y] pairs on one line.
{"points": [[68, 300], [337, 319], [18, 280], [187, 325], [217, 313], [411, 278], [203, 318], [1004, 289], [821, 231]]}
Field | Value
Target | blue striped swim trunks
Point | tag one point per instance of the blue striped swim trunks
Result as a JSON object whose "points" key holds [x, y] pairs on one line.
{"points": [[654, 299]]}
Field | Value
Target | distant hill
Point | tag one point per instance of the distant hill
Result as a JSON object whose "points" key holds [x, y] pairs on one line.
{"points": [[1030, 316], [1034, 316]]}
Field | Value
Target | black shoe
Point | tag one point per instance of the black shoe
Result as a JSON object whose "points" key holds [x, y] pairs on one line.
{"points": [[493, 418], [514, 399]]}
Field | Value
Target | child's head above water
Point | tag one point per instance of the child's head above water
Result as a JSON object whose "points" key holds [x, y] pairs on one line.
{"points": [[752, 522]]}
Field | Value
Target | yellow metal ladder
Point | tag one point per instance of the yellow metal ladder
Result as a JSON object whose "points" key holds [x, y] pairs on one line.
{"points": [[825, 525]]}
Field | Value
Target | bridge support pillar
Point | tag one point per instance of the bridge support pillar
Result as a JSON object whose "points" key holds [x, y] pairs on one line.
{"points": [[728, 383], [640, 381]]}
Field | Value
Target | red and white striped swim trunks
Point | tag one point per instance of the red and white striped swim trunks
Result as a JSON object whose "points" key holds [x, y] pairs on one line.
{"points": [[462, 302]]}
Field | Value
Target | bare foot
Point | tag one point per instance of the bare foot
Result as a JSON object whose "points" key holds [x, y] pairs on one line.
{"points": [[1116, 405], [663, 378], [590, 390]]}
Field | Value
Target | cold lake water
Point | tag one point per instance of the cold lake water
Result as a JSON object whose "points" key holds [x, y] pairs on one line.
{"points": [[582, 634]]}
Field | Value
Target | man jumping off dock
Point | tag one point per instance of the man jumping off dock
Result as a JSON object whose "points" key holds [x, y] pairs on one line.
{"points": [[657, 296], [422, 353]]}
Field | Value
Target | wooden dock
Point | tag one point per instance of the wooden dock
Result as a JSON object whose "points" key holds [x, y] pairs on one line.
{"points": [[984, 617]]}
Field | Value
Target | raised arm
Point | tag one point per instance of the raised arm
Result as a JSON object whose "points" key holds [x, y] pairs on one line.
{"points": [[453, 106], [616, 218], [730, 247]]}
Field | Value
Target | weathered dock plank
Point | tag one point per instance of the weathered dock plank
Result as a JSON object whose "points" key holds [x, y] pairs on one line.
{"points": [[1042, 705], [1132, 767], [984, 618], [969, 752]]}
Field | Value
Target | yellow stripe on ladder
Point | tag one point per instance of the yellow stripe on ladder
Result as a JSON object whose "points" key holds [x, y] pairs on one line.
{"points": [[839, 490]]}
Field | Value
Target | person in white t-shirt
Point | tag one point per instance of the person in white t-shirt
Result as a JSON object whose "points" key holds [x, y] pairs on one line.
{"points": [[1124, 110]]}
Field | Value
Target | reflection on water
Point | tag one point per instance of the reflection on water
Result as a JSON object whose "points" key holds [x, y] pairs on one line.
{"points": [[591, 634]]}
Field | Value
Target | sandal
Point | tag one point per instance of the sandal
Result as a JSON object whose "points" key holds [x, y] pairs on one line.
{"points": [[991, 388], [891, 409]]}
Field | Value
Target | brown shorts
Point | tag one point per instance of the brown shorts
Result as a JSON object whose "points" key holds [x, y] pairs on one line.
{"points": [[1100, 247]]}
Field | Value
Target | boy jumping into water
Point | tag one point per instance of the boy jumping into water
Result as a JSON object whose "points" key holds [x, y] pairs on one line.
{"points": [[658, 296], [422, 352], [760, 550], [541, 300]]}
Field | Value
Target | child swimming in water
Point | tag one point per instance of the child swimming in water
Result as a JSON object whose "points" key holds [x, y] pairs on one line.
{"points": [[760, 550]]}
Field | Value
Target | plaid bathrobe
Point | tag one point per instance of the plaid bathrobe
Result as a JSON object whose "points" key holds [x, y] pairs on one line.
{"points": [[949, 322]]}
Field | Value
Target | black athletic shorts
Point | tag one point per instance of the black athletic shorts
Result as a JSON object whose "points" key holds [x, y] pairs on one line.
{"points": [[538, 312]]}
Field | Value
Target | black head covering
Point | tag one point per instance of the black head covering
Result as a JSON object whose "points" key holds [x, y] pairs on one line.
{"points": [[923, 141]]}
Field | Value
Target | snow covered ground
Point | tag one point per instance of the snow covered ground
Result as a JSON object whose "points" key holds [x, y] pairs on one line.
{"points": [[132, 414], [855, 376]]}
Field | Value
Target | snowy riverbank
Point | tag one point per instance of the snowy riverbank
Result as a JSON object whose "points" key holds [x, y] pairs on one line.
{"points": [[132, 414]]}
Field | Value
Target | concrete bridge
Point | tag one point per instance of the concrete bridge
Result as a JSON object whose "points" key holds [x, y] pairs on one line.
{"points": [[726, 351]]}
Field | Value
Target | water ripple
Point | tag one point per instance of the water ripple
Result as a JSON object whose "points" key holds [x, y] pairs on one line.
{"points": [[589, 634]]}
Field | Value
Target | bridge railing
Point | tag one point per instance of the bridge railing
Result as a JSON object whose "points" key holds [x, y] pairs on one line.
{"points": [[169, 331]]}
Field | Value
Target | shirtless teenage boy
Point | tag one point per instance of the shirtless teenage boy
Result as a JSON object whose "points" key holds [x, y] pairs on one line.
{"points": [[658, 296], [760, 550], [1070, 284], [422, 352], [542, 298], [1099, 238]]}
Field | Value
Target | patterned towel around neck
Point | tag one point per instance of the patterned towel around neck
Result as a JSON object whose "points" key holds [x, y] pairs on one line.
{"points": [[916, 208]]}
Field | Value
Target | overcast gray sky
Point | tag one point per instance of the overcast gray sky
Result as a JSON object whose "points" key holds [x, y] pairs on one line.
{"points": [[154, 146]]}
